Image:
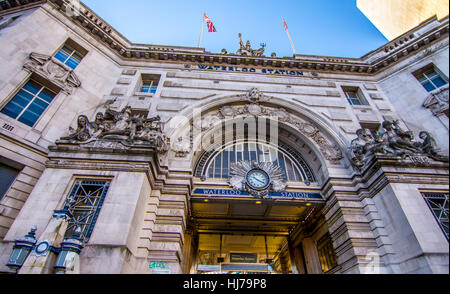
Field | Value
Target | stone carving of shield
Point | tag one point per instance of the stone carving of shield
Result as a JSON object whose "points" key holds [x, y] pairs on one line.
{"points": [[254, 109], [56, 70]]}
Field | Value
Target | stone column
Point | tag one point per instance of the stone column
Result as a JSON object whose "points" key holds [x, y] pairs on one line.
{"points": [[298, 259], [379, 221], [41, 260], [292, 256], [311, 256], [350, 232], [168, 234], [189, 251]]}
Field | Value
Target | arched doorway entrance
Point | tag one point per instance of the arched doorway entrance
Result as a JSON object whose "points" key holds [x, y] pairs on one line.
{"points": [[273, 228]]}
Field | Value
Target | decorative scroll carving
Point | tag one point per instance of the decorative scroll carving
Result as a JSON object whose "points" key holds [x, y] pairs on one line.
{"points": [[330, 151], [119, 130], [395, 142], [246, 50], [238, 179], [182, 147], [54, 71], [437, 101]]}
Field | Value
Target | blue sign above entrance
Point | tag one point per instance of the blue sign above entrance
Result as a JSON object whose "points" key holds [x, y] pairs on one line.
{"points": [[230, 192]]}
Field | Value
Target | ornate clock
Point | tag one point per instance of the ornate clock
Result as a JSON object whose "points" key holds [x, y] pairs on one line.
{"points": [[256, 178]]}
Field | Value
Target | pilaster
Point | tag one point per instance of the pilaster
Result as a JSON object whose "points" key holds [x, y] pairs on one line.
{"points": [[350, 231], [168, 234]]}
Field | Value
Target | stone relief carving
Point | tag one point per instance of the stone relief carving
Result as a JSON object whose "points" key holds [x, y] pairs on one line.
{"points": [[182, 147], [330, 151], [393, 141], [119, 130], [255, 95], [246, 50], [437, 101], [53, 70]]}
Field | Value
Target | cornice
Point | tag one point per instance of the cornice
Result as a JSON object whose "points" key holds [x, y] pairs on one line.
{"points": [[381, 171], [372, 63], [12, 5]]}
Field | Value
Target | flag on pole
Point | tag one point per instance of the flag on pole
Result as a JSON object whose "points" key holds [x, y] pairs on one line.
{"points": [[285, 25], [289, 35], [210, 24]]}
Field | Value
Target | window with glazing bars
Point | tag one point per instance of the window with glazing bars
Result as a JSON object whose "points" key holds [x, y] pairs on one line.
{"points": [[355, 97], [438, 203], [431, 79], [69, 56], [29, 103], [85, 202], [327, 255], [219, 166], [149, 84]]}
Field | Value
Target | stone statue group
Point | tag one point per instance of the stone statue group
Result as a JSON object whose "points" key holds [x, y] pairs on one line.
{"points": [[394, 141], [247, 50], [121, 126]]}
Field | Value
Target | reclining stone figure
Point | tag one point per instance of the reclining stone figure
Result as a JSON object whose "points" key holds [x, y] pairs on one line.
{"points": [[392, 141], [130, 130]]}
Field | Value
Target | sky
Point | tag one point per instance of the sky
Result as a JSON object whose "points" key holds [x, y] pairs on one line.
{"points": [[335, 28]]}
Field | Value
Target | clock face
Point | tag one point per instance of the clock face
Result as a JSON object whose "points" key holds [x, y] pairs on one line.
{"points": [[258, 179], [42, 247]]}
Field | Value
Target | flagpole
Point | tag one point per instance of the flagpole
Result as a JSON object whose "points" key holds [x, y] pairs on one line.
{"points": [[289, 36], [201, 32]]}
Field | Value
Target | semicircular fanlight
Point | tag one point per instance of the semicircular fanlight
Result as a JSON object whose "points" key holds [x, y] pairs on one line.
{"points": [[216, 164]]}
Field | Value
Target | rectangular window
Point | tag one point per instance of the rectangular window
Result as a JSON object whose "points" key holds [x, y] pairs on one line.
{"points": [[354, 96], [29, 103], [327, 256], [71, 54], [85, 201], [438, 203], [149, 83], [7, 177], [430, 78]]}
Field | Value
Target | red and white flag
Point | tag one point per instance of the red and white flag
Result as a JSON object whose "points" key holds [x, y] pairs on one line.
{"points": [[289, 35], [285, 25], [210, 24]]}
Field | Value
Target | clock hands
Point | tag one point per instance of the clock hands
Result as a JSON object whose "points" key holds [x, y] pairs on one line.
{"points": [[258, 180]]}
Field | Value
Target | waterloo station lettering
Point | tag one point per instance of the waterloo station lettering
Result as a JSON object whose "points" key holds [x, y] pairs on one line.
{"points": [[229, 192], [249, 70]]}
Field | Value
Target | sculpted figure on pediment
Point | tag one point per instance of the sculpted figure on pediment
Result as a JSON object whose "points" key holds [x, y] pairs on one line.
{"points": [[246, 50], [83, 131], [121, 125], [364, 146], [114, 128], [429, 146], [395, 142]]}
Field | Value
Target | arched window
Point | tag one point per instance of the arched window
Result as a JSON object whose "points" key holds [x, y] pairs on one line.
{"points": [[217, 165]]}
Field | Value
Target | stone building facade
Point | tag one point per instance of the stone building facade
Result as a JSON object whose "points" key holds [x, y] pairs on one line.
{"points": [[131, 158]]}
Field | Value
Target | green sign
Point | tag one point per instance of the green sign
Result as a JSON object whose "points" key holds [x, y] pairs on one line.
{"points": [[243, 258], [158, 265]]}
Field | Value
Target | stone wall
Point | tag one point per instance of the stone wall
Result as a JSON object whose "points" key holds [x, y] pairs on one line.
{"points": [[145, 217], [409, 100]]}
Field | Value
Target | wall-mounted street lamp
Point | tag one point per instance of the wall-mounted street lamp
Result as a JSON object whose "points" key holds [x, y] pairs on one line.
{"points": [[70, 251], [21, 250]]}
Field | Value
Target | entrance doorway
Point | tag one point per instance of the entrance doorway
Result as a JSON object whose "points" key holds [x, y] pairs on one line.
{"points": [[247, 236], [242, 254]]}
